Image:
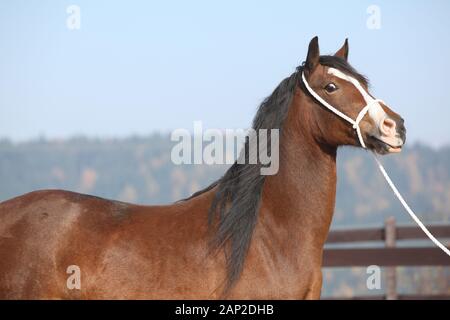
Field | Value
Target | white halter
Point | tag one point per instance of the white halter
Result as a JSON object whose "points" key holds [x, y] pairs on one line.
{"points": [[373, 105]]}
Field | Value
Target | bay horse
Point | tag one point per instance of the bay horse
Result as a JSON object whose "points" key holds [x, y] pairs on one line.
{"points": [[246, 236]]}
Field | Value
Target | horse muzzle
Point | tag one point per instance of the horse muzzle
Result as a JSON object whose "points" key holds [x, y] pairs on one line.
{"points": [[391, 136]]}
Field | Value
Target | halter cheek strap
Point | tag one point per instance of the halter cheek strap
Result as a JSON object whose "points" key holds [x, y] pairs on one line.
{"points": [[373, 103]]}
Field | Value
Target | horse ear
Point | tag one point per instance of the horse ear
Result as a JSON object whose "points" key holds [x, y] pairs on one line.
{"points": [[343, 52], [312, 59]]}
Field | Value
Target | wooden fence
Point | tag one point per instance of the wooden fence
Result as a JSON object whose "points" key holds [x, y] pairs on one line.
{"points": [[388, 256]]}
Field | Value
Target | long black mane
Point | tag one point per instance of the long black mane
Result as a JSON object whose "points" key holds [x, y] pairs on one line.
{"points": [[234, 210]]}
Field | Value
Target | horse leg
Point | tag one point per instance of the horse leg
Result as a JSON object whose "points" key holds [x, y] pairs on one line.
{"points": [[315, 286]]}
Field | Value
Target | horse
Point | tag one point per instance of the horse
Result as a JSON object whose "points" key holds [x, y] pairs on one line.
{"points": [[246, 236]]}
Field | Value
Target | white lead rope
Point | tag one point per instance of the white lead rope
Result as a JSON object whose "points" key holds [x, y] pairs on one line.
{"points": [[355, 124], [408, 209]]}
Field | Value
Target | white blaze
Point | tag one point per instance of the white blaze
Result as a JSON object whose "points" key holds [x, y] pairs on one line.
{"points": [[375, 111]]}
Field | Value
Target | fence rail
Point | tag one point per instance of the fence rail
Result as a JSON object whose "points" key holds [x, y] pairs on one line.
{"points": [[385, 257], [379, 234], [388, 256]]}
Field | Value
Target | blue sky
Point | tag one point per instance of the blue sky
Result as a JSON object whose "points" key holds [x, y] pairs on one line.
{"points": [[136, 67]]}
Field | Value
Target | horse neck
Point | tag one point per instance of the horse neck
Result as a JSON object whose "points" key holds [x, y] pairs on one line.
{"points": [[298, 202]]}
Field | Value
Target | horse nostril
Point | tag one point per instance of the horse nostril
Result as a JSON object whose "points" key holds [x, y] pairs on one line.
{"points": [[388, 127]]}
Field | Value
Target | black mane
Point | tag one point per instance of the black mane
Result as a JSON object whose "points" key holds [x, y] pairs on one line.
{"points": [[234, 209]]}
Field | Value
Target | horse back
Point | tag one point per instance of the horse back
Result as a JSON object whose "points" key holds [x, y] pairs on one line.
{"points": [[123, 250]]}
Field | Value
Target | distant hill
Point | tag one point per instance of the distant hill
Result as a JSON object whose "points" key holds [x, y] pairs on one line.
{"points": [[139, 169]]}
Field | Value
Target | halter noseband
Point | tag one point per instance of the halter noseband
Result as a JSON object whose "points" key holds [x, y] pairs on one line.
{"points": [[373, 103]]}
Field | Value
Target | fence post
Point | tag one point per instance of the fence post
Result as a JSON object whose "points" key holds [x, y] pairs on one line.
{"points": [[391, 276]]}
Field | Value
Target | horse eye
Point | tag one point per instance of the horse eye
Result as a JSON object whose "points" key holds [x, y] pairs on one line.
{"points": [[331, 87]]}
